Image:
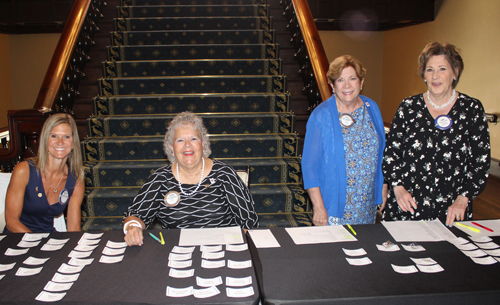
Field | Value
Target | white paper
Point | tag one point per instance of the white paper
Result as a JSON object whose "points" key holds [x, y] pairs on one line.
{"points": [[215, 248], [495, 252], [418, 231], [480, 239], [179, 257], [319, 235], [91, 235], [208, 282], [116, 245], [80, 254], [79, 261], [488, 260], [211, 236], [112, 251], [2, 237], [28, 244], [238, 281], [212, 264], [466, 247], [413, 248], [45, 296], [1, 276], [16, 252], [33, 261], [239, 264], [85, 247], [459, 241], [390, 248], [55, 241], [404, 269], [57, 287], [487, 246], [179, 292], [180, 264], [213, 255], [110, 259], [475, 253], [89, 242], [263, 238], [430, 268], [182, 250], [65, 268], [5, 267], [34, 236], [65, 278], [51, 247], [28, 271], [358, 261], [423, 261], [237, 248], [239, 292], [205, 292], [354, 252], [181, 273]]}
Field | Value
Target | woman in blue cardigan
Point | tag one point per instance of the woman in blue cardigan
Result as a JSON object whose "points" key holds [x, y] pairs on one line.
{"points": [[343, 151]]}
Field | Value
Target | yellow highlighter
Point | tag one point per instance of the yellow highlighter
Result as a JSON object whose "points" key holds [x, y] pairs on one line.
{"points": [[162, 240], [468, 227], [350, 228]]}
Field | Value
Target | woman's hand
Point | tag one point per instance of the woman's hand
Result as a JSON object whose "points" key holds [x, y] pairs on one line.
{"points": [[134, 236], [320, 216], [404, 199], [456, 211]]}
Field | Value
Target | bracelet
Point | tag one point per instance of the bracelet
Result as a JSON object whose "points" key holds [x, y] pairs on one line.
{"points": [[133, 223]]}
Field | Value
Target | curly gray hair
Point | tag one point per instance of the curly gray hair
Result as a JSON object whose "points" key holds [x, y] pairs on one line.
{"points": [[183, 119]]}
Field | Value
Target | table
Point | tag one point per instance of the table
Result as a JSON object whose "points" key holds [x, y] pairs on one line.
{"points": [[141, 278], [320, 273]]}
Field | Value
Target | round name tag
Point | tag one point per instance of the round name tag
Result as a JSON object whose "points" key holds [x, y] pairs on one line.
{"points": [[346, 120], [63, 197], [172, 198], [443, 122]]}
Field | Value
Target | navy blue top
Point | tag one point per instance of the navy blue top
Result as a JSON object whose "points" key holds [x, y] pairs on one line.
{"points": [[37, 214]]}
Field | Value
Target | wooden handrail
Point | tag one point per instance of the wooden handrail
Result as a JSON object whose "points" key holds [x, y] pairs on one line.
{"points": [[314, 46], [62, 57]]}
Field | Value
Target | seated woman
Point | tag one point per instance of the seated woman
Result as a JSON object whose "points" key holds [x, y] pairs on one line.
{"points": [[41, 188], [192, 191]]}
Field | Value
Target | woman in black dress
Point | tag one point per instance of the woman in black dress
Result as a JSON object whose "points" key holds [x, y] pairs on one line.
{"points": [[437, 156]]}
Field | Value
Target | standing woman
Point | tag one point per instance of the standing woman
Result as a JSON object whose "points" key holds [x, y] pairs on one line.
{"points": [[42, 187], [438, 149], [343, 150]]}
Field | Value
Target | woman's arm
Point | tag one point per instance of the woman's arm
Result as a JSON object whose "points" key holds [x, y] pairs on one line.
{"points": [[320, 216], [134, 235], [74, 215], [14, 200]]}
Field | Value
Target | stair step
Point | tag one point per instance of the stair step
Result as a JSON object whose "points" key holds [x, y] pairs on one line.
{"points": [[134, 173], [191, 11], [192, 37], [178, 52], [223, 146], [188, 2], [192, 84], [143, 68], [193, 23], [151, 104]]}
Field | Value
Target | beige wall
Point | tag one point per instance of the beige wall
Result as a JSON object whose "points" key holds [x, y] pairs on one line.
{"points": [[365, 46], [473, 26], [5, 80]]}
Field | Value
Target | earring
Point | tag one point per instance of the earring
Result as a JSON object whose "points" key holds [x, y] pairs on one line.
{"points": [[425, 81]]}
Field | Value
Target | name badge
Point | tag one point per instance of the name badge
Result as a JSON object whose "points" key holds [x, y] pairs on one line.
{"points": [[346, 120], [63, 197], [443, 122], [172, 198]]}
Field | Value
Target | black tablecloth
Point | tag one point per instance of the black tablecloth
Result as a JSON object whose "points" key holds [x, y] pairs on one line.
{"points": [[320, 273], [141, 278]]}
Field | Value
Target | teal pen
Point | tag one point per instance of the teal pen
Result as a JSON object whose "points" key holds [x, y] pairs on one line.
{"points": [[154, 237]]}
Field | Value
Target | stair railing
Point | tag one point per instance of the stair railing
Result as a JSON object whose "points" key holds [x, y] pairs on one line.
{"points": [[60, 85], [309, 51]]}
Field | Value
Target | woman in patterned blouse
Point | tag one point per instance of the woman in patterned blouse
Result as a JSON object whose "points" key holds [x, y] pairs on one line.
{"points": [[438, 149], [343, 150], [192, 191]]}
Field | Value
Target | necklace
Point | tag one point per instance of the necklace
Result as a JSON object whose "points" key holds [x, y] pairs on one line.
{"points": [[55, 189], [199, 183], [443, 105]]}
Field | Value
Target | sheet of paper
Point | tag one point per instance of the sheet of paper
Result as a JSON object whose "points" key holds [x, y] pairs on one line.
{"points": [[88, 242], [80, 261], [116, 245], [319, 235], [6, 267], [488, 246], [179, 257], [480, 239], [34, 236], [85, 247], [213, 255], [263, 238], [475, 253], [52, 247], [181, 273], [404, 269], [33, 261], [488, 260], [215, 248], [28, 271], [358, 261], [202, 282], [2, 276], [205, 292], [55, 241], [15, 252], [430, 268], [2, 237], [239, 292], [238, 281], [112, 251], [91, 235], [212, 264], [459, 241], [179, 292], [80, 254], [495, 252], [57, 287], [354, 252], [237, 248], [466, 247], [45, 296], [493, 224], [180, 264], [423, 261], [413, 248], [211, 236], [110, 259], [388, 248], [182, 250], [65, 278], [418, 231], [28, 244], [239, 264], [65, 268]]}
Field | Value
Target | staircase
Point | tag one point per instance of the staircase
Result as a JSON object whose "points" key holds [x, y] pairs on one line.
{"points": [[218, 58]]}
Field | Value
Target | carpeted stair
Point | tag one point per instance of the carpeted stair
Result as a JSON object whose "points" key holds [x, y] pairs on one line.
{"points": [[217, 58]]}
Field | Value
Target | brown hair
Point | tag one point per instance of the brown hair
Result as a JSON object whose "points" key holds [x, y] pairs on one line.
{"points": [[342, 62], [450, 52]]}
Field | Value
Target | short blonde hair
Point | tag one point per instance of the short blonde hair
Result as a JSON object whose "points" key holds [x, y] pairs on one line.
{"points": [[342, 62], [185, 118]]}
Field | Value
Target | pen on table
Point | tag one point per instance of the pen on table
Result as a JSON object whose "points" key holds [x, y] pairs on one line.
{"points": [[350, 228], [468, 227], [481, 226], [154, 237], [162, 240]]}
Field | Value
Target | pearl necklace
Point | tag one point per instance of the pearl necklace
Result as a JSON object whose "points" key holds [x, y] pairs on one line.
{"points": [[443, 105], [199, 183]]}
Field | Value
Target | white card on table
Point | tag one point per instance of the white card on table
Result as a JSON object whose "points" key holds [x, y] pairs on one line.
{"points": [[481, 239], [423, 261], [110, 259], [180, 264], [45, 296], [413, 248], [458, 241], [2, 237], [15, 252], [182, 250], [28, 271], [65, 278], [88, 242], [51, 247], [205, 292], [91, 235], [1, 276], [488, 260], [179, 292], [181, 273], [495, 252], [116, 245], [404, 269], [239, 292], [237, 248], [85, 247], [487, 245], [264, 238], [354, 252], [28, 244], [5, 267], [56, 287], [80, 254], [216, 248], [80, 261], [35, 261], [212, 264], [430, 269], [65, 268], [112, 251], [55, 241], [208, 282], [239, 264], [358, 261], [179, 257], [34, 236], [466, 247], [475, 253], [390, 248], [212, 255], [238, 281]]}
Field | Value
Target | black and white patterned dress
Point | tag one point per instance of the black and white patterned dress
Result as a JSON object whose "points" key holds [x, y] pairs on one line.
{"points": [[222, 200], [436, 166]]}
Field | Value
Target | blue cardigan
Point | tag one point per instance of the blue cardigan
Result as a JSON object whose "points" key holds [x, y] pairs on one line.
{"points": [[323, 160]]}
